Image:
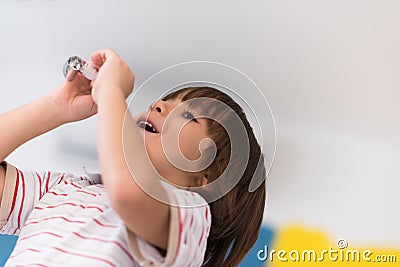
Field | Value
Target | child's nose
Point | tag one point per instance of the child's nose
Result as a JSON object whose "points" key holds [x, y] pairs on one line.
{"points": [[162, 107]]}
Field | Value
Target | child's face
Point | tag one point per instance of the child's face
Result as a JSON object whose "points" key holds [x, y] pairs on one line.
{"points": [[192, 131]]}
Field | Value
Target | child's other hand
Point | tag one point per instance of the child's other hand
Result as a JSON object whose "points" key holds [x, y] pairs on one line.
{"points": [[74, 99], [113, 74]]}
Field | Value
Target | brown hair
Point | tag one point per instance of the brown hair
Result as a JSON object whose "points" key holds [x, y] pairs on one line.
{"points": [[237, 216]]}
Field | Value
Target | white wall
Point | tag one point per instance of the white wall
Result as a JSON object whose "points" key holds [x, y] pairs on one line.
{"points": [[330, 70]]}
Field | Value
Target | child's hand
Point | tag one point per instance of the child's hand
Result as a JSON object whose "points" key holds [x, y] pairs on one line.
{"points": [[113, 74], [74, 99]]}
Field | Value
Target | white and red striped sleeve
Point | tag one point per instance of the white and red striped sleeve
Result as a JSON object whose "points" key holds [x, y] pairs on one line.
{"points": [[22, 190], [190, 222]]}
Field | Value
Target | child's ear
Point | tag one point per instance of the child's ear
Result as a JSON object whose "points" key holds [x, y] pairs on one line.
{"points": [[204, 180], [200, 180]]}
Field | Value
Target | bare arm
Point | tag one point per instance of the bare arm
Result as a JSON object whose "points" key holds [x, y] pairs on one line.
{"points": [[27, 122], [143, 215], [71, 101]]}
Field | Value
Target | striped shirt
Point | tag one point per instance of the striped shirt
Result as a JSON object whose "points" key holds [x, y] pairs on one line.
{"points": [[67, 220]]}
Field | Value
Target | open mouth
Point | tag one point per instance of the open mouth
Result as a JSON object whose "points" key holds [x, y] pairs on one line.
{"points": [[147, 126]]}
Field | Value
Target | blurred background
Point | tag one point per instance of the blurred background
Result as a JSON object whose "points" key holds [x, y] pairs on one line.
{"points": [[329, 69]]}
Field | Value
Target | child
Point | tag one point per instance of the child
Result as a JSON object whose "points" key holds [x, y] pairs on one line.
{"points": [[122, 218]]}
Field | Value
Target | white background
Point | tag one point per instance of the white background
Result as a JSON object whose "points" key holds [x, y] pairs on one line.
{"points": [[329, 69]]}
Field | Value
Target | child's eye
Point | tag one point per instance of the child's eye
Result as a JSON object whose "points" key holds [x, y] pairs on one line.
{"points": [[189, 115]]}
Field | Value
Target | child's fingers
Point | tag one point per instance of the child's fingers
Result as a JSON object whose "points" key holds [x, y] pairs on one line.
{"points": [[71, 74], [98, 59], [101, 56]]}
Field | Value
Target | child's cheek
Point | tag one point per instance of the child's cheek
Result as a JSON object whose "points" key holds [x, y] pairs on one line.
{"points": [[189, 147]]}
